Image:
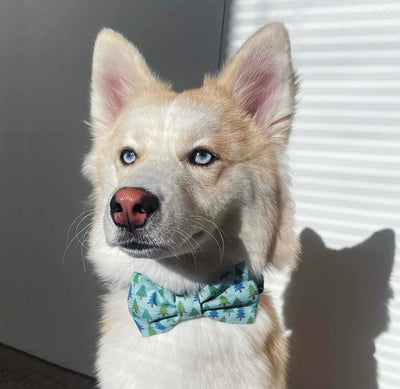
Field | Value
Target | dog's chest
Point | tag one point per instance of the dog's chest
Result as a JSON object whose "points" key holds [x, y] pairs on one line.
{"points": [[198, 353]]}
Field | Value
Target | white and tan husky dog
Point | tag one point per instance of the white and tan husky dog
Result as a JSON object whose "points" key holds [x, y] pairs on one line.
{"points": [[186, 185]]}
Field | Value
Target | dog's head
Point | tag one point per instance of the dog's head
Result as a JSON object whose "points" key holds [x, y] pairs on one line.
{"points": [[198, 176]]}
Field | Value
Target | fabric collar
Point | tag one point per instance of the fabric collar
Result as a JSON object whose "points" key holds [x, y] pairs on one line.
{"points": [[233, 299]]}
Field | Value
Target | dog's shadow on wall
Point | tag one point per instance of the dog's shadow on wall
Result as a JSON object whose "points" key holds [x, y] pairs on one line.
{"points": [[335, 306]]}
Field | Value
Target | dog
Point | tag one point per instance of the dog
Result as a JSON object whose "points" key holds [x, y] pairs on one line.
{"points": [[188, 189]]}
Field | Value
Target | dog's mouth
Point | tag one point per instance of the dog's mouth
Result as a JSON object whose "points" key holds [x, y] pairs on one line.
{"points": [[153, 241], [140, 246], [138, 241], [147, 249], [143, 249]]}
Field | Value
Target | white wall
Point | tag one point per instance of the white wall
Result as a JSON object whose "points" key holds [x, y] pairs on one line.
{"points": [[345, 148]]}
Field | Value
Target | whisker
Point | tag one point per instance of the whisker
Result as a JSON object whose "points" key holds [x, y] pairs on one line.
{"points": [[78, 225], [217, 227], [73, 222], [83, 215], [83, 246], [187, 238], [221, 247]]}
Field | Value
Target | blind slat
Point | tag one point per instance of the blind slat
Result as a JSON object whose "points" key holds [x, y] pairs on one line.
{"points": [[345, 148]]}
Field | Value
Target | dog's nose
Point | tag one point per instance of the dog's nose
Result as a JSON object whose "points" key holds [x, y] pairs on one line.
{"points": [[130, 207]]}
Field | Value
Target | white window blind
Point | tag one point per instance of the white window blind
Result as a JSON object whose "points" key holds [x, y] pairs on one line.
{"points": [[345, 147]]}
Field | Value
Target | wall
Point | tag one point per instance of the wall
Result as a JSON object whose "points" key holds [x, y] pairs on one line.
{"points": [[341, 310], [49, 306]]}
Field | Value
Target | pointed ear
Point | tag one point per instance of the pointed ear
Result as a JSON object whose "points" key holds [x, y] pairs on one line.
{"points": [[383, 239], [309, 238], [383, 244], [261, 79], [118, 72]]}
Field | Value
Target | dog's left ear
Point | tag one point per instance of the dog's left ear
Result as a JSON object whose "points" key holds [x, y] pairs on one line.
{"points": [[261, 79]]}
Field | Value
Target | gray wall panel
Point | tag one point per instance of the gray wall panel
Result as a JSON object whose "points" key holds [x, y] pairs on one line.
{"points": [[48, 309]]}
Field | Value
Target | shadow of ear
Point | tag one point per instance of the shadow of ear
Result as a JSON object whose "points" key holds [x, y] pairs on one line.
{"points": [[335, 306]]}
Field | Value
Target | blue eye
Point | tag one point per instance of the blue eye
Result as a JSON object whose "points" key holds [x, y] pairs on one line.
{"points": [[128, 156], [201, 157]]}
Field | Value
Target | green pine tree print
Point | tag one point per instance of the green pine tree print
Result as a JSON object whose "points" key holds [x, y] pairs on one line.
{"points": [[212, 288], [136, 278], [237, 302], [152, 331], [194, 312], [135, 306], [223, 301], [252, 292], [223, 319], [251, 320], [146, 315], [164, 310], [180, 308], [161, 291], [142, 292]]}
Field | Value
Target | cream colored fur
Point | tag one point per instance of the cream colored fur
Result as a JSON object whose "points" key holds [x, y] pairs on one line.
{"points": [[236, 209]]}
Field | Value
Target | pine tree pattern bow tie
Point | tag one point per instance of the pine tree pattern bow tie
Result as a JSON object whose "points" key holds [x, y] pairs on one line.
{"points": [[232, 299]]}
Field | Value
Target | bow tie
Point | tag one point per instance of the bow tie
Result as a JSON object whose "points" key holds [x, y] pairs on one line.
{"points": [[233, 298]]}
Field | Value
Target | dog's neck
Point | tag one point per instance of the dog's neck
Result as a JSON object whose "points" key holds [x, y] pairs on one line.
{"points": [[189, 272]]}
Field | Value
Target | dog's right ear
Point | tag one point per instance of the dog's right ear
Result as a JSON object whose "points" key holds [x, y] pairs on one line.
{"points": [[118, 72]]}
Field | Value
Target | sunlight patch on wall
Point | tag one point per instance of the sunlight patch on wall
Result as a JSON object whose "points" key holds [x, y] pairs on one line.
{"points": [[344, 152]]}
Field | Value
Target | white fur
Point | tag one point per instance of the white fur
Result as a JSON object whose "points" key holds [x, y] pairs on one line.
{"points": [[201, 353], [247, 198]]}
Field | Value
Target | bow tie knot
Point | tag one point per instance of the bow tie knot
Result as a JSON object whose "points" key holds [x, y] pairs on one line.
{"points": [[187, 307], [232, 299]]}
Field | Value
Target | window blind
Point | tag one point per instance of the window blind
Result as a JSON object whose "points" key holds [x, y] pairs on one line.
{"points": [[345, 147]]}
